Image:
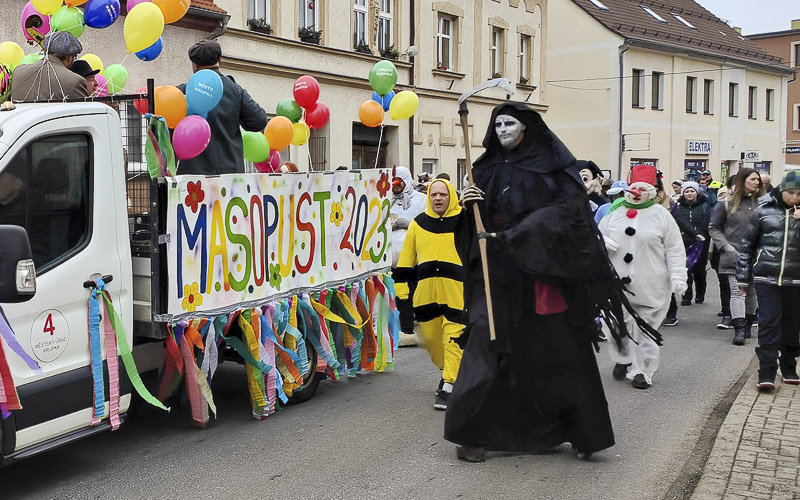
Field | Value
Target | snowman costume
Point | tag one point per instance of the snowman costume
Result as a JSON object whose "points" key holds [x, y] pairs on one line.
{"points": [[645, 247]]}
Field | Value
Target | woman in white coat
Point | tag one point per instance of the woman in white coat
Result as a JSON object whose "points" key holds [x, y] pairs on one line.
{"points": [[647, 251]]}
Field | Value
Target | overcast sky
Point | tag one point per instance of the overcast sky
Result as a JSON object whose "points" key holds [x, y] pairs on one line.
{"points": [[755, 16]]}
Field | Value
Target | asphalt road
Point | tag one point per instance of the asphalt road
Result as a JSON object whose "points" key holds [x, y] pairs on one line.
{"points": [[378, 436]]}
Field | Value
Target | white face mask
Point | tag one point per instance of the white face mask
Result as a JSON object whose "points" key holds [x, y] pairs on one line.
{"points": [[509, 130]]}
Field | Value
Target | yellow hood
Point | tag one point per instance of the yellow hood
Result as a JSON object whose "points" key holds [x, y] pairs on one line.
{"points": [[452, 209]]}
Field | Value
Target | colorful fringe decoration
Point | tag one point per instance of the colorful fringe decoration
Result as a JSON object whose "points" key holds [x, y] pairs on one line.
{"points": [[350, 328], [9, 400], [116, 346]]}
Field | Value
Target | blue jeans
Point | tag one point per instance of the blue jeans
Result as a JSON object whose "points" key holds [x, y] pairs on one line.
{"points": [[778, 328]]}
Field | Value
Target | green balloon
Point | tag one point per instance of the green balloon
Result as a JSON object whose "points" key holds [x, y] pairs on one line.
{"points": [[68, 19], [383, 77], [290, 109], [31, 58], [117, 77], [256, 146]]}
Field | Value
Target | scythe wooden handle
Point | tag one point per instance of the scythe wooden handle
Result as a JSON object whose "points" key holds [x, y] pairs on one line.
{"points": [[478, 224]]}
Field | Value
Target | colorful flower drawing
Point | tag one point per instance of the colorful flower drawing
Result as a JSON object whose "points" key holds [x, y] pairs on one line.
{"points": [[275, 276], [383, 184], [195, 196], [337, 217], [192, 298]]}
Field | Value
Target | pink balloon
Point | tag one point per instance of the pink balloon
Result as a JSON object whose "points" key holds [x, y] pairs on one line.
{"points": [[275, 160], [192, 135], [134, 3], [34, 19], [102, 86]]}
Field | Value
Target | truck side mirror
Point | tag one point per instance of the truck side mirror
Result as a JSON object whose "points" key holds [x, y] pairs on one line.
{"points": [[17, 273]]}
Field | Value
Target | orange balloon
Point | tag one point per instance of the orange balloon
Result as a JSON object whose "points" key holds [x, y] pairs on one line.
{"points": [[171, 104], [370, 113], [279, 133], [173, 10], [75, 3]]}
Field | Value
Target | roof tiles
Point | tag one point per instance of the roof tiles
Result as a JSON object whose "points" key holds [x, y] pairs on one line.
{"points": [[208, 5]]}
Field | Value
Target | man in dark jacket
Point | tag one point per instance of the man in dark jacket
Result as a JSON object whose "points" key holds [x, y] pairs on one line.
{"points": [[225, 153]]}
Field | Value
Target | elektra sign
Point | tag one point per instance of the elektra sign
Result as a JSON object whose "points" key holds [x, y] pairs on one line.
{"points": [[698, 147]]}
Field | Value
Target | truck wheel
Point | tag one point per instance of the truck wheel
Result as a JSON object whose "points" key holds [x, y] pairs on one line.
{"points": [[310, 381]]}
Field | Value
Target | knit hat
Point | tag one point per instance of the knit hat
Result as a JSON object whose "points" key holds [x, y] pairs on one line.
{"points": [[791, 180], [690, 185], [677, 181]]}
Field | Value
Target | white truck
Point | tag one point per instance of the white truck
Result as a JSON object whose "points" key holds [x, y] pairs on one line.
{"points": [[65, 179]]}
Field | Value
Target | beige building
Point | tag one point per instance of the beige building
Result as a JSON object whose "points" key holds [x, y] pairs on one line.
{"points": [[441, 49], [663, 82], [787, 45]]}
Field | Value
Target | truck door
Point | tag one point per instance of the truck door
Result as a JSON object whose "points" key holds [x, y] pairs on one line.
{"points": [[57, 183]]}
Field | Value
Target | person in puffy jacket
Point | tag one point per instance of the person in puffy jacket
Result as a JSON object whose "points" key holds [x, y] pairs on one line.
{"points": [[729, 222], [693, 213], [770, 256]]}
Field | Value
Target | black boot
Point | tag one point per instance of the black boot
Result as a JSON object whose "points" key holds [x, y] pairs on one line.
{"points": [[739, 333], [749, 319]]}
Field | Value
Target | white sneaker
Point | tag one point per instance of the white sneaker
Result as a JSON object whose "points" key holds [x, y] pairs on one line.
{"points": [[408, 340]]}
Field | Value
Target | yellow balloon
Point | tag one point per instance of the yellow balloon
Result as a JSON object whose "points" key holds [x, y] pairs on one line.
{"points": [[93, 61], [301, 134], [403, 105], [143, 25], [11, 54], [46, 7]]}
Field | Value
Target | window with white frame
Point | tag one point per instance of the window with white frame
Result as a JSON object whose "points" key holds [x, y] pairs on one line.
{"points": [[309, 17], [524, 58], [496, 51], [359, 22], [752, 102], [733, 99], [385, 25], [658, 91], [770, 109], [796, 118], [691, 94], [796, 54], [444, 42], [708, 97], [637, 88], [429, 166], [258, 9]]}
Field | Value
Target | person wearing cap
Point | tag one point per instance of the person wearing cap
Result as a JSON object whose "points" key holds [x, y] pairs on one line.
{"points": [[769, 260], [83, 68], [617, 190], [676, 190], [50, 78], [406, 204], [225, 152]]}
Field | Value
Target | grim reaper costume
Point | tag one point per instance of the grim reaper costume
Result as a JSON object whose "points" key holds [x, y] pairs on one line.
{"points": [[537, 386]]}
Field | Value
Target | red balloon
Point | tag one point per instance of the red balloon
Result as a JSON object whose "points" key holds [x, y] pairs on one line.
{"points": [[318, 116], [141, 104], [306, 91]]}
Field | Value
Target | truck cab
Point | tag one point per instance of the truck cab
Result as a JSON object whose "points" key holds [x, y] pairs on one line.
{"points": [[62, 179]]}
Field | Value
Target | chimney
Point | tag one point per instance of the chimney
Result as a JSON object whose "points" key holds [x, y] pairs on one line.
{"points": [[796, 24], [737, 29]]}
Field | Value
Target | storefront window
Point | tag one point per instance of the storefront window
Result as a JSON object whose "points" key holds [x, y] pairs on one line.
{"points": [[692, 169], [762, 166]]}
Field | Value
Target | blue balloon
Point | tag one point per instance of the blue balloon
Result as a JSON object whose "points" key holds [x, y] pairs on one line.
{"points": [[387, 100], [204, 91], [377, 98], [152, 51], [101, 13]]}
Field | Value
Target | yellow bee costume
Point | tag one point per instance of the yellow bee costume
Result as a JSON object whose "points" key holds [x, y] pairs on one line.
{"points": [[431, 258]]}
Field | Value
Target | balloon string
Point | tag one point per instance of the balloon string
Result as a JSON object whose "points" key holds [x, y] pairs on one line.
{"points": [[378, 154], [124, 58]]}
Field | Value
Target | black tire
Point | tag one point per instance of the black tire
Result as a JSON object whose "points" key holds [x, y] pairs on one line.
{"points": [[310, 381]]}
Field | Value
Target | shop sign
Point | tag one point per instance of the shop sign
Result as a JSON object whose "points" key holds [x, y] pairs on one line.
{"points": [[752, 155], [698, 147], [793, 150]]}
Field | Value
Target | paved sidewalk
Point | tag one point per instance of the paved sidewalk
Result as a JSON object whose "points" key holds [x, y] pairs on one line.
{"points": [[757, 451]]}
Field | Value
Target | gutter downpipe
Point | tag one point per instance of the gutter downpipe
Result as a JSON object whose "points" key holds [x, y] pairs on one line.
{"points": [[221, 30], [622, 49], [412, 59]]}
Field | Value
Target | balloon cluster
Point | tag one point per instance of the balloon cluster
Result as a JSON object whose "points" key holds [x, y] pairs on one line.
{"points": [[144, 25], [292, 125], [401, 106]]}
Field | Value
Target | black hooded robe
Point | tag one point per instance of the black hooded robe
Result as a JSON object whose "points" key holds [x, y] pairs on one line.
{"points": [[537, 386]]}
